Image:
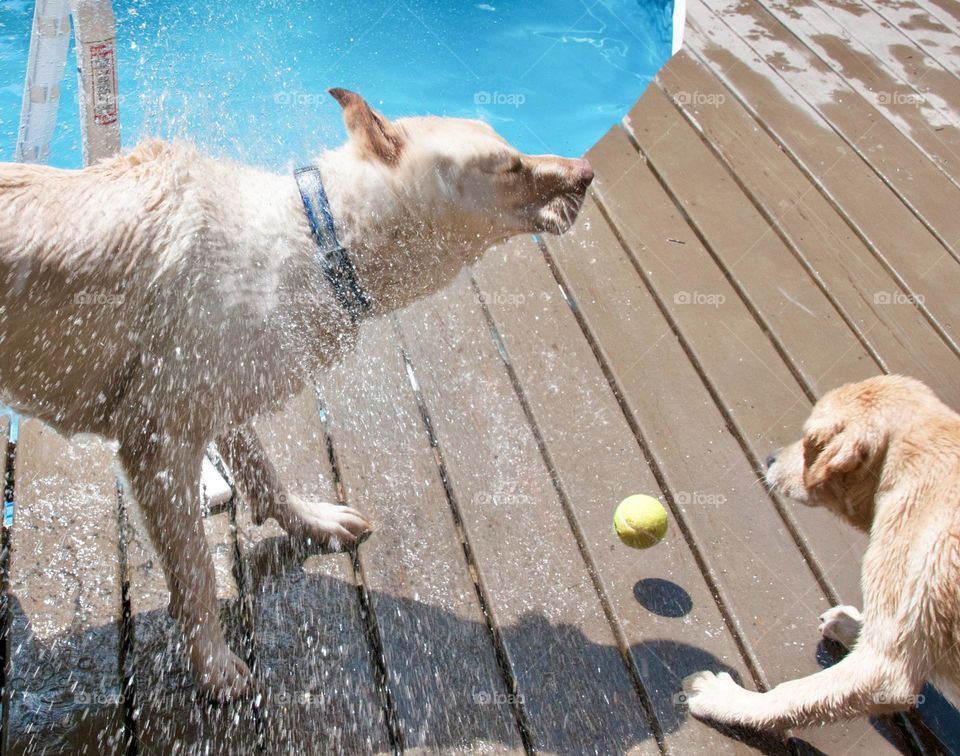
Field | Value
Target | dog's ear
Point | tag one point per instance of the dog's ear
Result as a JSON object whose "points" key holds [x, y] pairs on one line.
{"points": [[370, 131], [831, 452]]}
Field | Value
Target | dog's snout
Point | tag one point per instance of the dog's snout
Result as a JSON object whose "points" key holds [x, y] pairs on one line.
{"points": [[585, 175], [772, 458]]}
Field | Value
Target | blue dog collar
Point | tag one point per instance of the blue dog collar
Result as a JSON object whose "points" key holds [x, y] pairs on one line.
{"points": [[334, 259]]}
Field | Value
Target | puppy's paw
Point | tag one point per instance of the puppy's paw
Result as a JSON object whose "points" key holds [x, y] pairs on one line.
{"points": [[331, 525], [712, 696], [224, 677], [841, 624]]}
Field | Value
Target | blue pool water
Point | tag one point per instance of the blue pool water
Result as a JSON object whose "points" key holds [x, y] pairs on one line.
{"points": [[249, 79]]}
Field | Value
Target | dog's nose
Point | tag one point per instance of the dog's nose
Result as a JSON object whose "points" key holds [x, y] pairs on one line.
{"points": [[586, 174], [771, 458]]}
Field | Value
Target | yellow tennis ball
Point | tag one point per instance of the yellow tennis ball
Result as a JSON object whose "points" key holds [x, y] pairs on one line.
{"points": [[640, 521]]}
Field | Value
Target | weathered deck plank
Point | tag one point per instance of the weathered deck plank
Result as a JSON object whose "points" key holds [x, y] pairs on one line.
{"points": [[64, 681], [884, 44], [945, 11], [757, 391], [902, 95], [440, 658], [893, 233], [312, 658], [663, 608], [732, 239], [903, 167], [723, 216], [726, 511], [577, 693], [923, 29], [873, 304], [889, 44]]}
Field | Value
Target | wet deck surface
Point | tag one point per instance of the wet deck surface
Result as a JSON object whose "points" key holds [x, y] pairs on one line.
{"points": [[777, 215]]}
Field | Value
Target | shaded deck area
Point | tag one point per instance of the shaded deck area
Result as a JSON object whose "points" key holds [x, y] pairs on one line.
{"points": [[776, 216]]}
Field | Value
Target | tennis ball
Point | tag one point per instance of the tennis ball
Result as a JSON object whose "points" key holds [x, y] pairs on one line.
{"points": [[640, 521]]}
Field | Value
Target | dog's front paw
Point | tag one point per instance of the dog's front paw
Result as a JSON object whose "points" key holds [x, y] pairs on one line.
{"points": [[223, 677], [712, 696], [841, 624], [331, 525]]}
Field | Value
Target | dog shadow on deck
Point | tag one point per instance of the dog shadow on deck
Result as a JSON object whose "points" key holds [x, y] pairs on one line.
{"points": [[445, 685], [317, 674]]}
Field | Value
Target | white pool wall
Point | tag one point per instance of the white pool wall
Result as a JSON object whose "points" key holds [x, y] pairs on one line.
{"points": [[679, 20]]}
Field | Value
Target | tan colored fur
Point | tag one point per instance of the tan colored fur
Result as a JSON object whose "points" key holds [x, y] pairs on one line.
{"points": [[884, 455], [165, 298]]}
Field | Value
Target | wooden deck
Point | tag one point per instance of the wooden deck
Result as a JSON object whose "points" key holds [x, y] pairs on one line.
{"points": [[779, 214]]}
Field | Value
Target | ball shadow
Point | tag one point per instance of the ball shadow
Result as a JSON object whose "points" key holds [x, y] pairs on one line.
{"points": [[663, 597]]}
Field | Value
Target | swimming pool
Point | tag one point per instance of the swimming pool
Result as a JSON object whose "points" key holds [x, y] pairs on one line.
{"points": [[249, 79]]}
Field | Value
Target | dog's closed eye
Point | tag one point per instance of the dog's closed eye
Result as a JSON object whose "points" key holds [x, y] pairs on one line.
{"points": [[502, 164]]}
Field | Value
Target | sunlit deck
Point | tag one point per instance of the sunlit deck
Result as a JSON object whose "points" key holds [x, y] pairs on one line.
{"points": [[779, 214]]}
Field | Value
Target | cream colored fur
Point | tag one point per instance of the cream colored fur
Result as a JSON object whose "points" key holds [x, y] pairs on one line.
{"points": [[884, 455], [165, 298]]}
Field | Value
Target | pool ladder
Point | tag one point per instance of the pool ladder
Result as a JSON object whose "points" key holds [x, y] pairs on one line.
{"points": [[96, 40]]}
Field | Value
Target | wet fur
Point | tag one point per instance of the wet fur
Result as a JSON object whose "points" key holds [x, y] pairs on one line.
{"points": [[884, 455], [165, 298]]}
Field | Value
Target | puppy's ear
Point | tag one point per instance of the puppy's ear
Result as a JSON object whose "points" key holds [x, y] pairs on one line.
{"points": [[375, 136], [827, 453]]}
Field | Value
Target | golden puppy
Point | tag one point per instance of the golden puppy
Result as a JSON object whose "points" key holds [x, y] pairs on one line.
{"points": [[884, 455]]}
